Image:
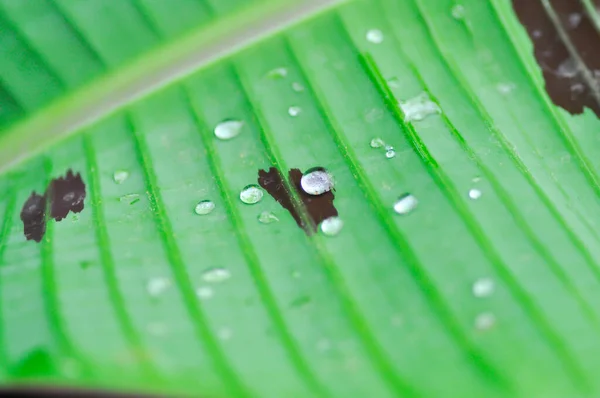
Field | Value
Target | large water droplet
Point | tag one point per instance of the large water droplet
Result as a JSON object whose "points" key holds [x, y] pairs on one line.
{"points": [[204, 207], [474, 193], [277, 73], [204, 292], [215, 275], [266, 217], [294, 111], [228, 129], [419, 107], [331, 226], [405, 204], [120, 176], [251, 194], [297, 87], [377, 143], [375, 36], [458, 11], [485, 321], [156, 286], [483, 287], [316, 181]]}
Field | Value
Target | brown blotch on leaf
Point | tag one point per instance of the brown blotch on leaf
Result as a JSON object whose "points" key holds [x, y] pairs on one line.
{"points": [[565, 83], [318, 207], [63, 195]]}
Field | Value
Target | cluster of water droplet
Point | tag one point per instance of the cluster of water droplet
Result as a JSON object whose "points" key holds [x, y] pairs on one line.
{"points": [[377, 143]]}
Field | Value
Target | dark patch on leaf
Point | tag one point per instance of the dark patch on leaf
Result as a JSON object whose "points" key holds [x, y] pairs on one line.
{"points": [[33, 216], [566, 83], [318, 207], [63, 195]]}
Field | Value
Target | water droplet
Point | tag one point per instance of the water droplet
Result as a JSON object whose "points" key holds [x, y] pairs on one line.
{"points": [[120, 176], [316, 181], [505, 88], [377, 143], [483, 287], [157, 286], [216, 275], [574, 20], [537, 34], [297, 87], [266, 217], [225, 334], [405, 204], [251, 194], [419, 107], [474, 193], [393, 82], [130, 198], [204, 207], [568, 68], [390, 152], [228, 129], [277, 73], [69, 196], [204, 292], [458, 11], [294, 111], [485, 321], [331, 226], [375, 36], [577, 89]]}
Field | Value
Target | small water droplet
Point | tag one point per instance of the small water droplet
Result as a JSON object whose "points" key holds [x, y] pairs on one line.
{"points": [[251, 194], [130, 198], [390, 153], [568, 68], [294, 111], [277, 73], [474, 193], [377, 143], [204, 292], [316, 181], [372, 115], [483, 287], [419, 107], [375, 36], [266, 217], [393, 82], [458, 11], [485, 321], [216, 275], [574, 20], [577, 89], [204, 207], [69, 196], [157, 286], [331, 226], [120, 176], [405, 204], [537, 34], [476, 179], [225, 334], [228, 129], [297, 87], [505, 88]]}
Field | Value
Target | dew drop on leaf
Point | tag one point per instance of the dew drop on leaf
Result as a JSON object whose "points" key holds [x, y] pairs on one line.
{"points": [[331, 226], [505, 88], [266, 217], [419, 107], [390, 152], [316, 181], [204, 207], [377, 143], [375, 36], [156, 286], [458, 11], [215, 275], [474, 193], [294, 111], [277, 73], [483, 287], [297, 87], [405, 204], [251, 194], [225, 334], [119, 176], [228, 129], [485, 321]]}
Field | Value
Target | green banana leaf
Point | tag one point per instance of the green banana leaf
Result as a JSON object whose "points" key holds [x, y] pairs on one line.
{"points": [[468, 261]]}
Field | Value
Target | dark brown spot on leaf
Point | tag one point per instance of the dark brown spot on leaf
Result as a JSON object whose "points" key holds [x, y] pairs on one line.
{"points": [[318, 208], [571, 84], [33, 215], [63, 195]]}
